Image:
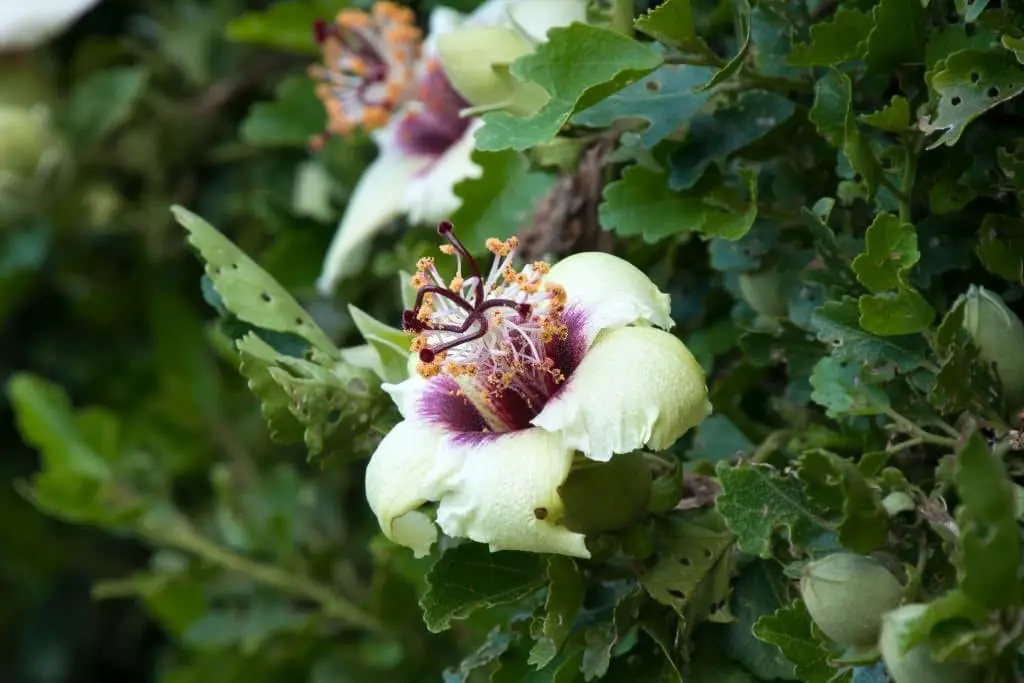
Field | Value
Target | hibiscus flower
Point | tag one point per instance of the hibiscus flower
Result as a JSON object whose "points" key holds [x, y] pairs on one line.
{"points": [[27, 23], [376, 75], [517, 371]]}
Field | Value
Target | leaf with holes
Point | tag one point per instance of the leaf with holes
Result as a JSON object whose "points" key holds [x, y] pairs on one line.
{"points": [[758, 500], [838, 40], [666, 99], [247, 290], [256, 357], [578, 66], [691, 552], [842, 388], [966, 85]]}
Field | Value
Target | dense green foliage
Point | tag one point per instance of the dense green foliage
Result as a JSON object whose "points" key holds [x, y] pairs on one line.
{"points": [[818, 185]]}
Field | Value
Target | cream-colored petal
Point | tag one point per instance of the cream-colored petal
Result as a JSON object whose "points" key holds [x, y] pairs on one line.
{"points": [[394, 484], [430, 196], [537, 17], [505, 493], [27, 23], [636, 386], [611, 291], [406, 394], [376, 199]]}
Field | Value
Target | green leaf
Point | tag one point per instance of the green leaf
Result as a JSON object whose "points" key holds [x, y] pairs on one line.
{"points": [[890, 250], [256, 357], [46, 420], [665, 98], [1015, 45], [718, 438], [790, 630], [642, 203], [715, 137], [736, 63], [837, 323], [863, 522], [833, 116], [760, 589], [895, 313], [898, 36], [495, 646], [578, 66], [945, 40], [988, 552], [389, 343], [285, 25], [966, 85], [670, 22], [469, 577], [246, 289], [1001, 247], [603, 637], [292, 119], [970, 10], [104, 101], [566, 591], [757, 500], [954, 605], [501, 200], [690, 553], [893, 117], [835, 41], [842, 388]]}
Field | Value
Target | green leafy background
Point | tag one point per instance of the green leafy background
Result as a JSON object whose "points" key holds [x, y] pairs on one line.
{"points": [[814, 182]]}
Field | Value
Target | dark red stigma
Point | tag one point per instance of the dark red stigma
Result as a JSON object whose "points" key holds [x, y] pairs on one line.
{"points": [[321, 31], [475, 311]]}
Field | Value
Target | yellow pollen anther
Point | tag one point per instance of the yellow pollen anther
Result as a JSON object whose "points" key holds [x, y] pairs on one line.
{"points": [[496, 246], [425, 263], [447, 249]]}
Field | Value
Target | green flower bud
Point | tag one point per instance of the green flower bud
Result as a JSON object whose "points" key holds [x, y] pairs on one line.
{"points": [[476, 61], [599, 497], [846, 596], [917, 665], [999, 335], [763, 292]]}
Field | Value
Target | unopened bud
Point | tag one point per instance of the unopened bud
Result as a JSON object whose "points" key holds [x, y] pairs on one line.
{"points": [[917, 665], [999, 336], [476, 61], [763, 292], [846, 596]]}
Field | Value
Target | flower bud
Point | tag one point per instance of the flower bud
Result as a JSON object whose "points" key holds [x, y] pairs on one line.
{"points": [[999, 336], [600, 497], [846, 596], [763, 292], [917, 665], [476, 61]]}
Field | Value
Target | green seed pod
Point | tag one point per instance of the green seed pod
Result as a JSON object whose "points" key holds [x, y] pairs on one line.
{"points": [[606, 496], [917, 665], [999, 335], [763, 292], [847, 595]]}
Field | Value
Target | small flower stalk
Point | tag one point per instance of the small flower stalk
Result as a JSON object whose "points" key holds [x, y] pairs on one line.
{"points": [[516, 372]]}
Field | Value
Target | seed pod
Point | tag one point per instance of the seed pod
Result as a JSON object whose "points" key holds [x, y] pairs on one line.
{"points": [[606, 496], [999, 335], [476, 61], [847, 595], [917, 665], [763, 292]]}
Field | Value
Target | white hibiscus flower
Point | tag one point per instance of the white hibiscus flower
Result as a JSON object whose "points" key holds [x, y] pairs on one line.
{"points": [[517, 372], [27, 23], [377, 76]]}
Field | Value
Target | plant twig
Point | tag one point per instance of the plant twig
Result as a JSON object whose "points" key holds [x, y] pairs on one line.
{"points": [[622, 16], [907, 426]]}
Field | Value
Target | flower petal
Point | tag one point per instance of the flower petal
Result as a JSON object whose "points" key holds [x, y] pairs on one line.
{"points": [[505, 493], [395, 479], [636, 386], [430, 195], [611, 291], [537, 17], [26, 24], [376, 199]]}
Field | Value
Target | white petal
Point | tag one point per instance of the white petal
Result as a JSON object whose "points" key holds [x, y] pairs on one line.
{"points": [[636, 386], [406, 395], [503, 486], [537, 17], [376, 199], [27, 23], [612, 292], [430, 196], [394, 484], [443, 20], [490, 13]]}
